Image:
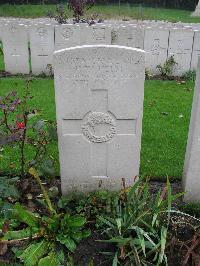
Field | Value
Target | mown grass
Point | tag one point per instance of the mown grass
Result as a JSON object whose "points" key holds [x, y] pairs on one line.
{"points": [[105, 11], [167, 107]]}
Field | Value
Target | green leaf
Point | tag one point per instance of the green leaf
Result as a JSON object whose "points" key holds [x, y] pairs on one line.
{"points": [[86, 233], [24, 233], [34, 253], [169, 198], [115, 260], [69, 243], [140, 232], [52, 132], [48, 261], [119, 225], [119, 240], [163, 244], [106, 221], [39, 125], [8, 188], [60, 256], [136, 256], [78, 236], [47, 167], [17, 251], [76, 221], [26, 216]]}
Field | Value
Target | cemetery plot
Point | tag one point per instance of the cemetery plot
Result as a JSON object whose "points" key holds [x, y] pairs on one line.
{"points": [[182, 43]]}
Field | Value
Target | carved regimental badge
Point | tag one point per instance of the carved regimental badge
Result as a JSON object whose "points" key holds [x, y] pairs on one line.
{"points": [[99, 127], [42, 32], [66, 33], [99, 34], [13, 29]]}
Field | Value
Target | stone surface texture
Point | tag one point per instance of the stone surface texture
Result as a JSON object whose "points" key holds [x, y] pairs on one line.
{"points": [[180, 47], [15, 48], [196, 50], [99, 101], [67, 36], [96, 34], [42, 48], [130, 36], [191, 175], [156, 47]]}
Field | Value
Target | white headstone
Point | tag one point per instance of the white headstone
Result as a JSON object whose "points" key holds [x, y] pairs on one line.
{"points": [[156, 47], [180, 47], [131, 36], [191, 175], [15, 48], [99, 101], [42, 48], [67, 36], [196, 50], [95, 34]]}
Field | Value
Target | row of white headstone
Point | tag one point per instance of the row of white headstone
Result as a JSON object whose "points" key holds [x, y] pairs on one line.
{"points": [[41, 40], [99, 102]]}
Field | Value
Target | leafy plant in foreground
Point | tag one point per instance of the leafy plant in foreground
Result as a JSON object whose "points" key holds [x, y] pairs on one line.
{"points": [[139, 227], [20, 128], [51, 236], [148, 74], [190, 75], [166, 70], [89, 205]]}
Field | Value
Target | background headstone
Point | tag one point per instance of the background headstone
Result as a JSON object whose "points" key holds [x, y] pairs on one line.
{"points": [[156, 47], [180, 47], [42, 48], [99, 101], [130, 36], [191, 175], [95, 34], [196, 50], [67, 36], [15, 48]]}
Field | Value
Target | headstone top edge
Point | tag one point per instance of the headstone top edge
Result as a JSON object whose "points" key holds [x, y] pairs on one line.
{"points": [[99, 46]]}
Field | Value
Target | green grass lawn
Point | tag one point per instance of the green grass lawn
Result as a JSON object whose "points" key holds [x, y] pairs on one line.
{"points": [[167, 109], [2, 67], [104, 11]]}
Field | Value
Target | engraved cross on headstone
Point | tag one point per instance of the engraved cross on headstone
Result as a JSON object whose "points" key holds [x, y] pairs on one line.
{"points": [[16, 56], [181, 49], [98, 128], [156, 47]]}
